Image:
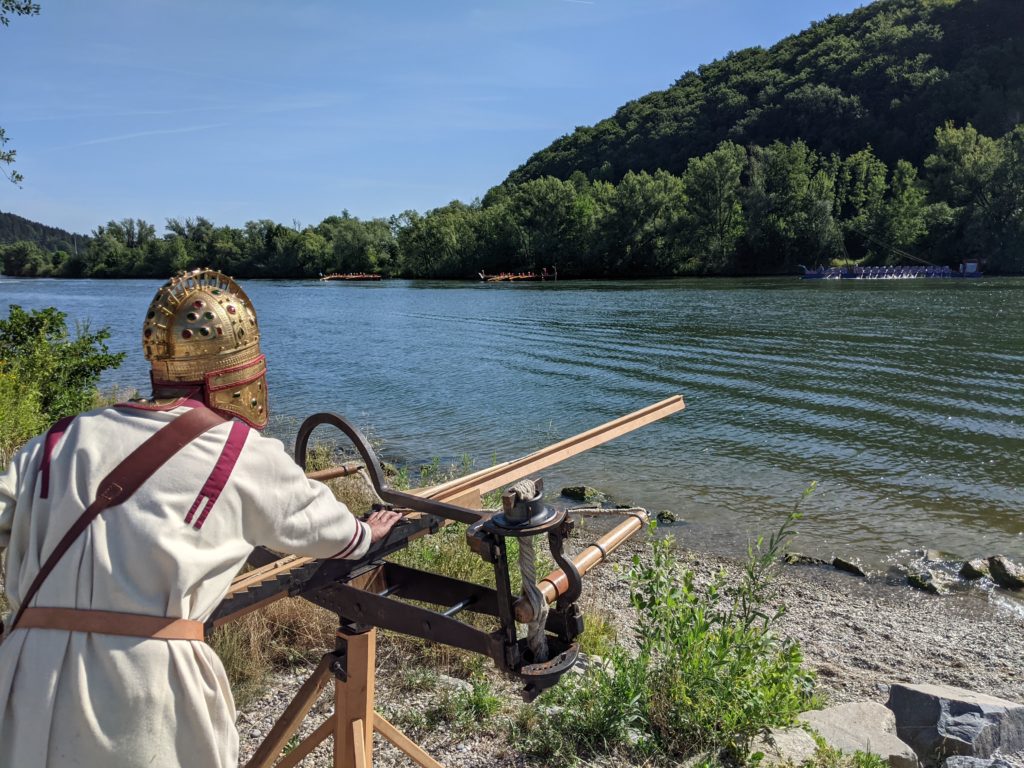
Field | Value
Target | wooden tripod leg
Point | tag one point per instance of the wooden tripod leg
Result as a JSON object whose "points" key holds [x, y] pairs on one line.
{"points": [[267, 752], [353, 701], [411, 749]]}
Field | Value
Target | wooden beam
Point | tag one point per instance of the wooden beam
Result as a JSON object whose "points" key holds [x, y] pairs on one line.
{"points": [[267, 752], [353, 701], [508, 472], [311, 742], [411, 749]]}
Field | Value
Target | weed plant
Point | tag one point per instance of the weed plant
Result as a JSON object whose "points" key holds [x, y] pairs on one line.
{"points": [[710, 674]]}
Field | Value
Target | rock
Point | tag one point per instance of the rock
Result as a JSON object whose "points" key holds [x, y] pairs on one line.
{"points": [[455, 684], [963, 761], [974, 569], [865, 726], [940, 720], [795, 558], [928, 582], [784, 747], [1005, 573], [582, 493], [666, 516], [849, 566]]}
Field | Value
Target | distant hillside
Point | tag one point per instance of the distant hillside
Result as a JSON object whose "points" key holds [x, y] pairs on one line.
{"points": [[14, 228], [885, 75]]}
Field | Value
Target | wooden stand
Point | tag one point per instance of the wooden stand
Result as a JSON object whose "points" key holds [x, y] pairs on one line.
{"points": [[353, 666]]}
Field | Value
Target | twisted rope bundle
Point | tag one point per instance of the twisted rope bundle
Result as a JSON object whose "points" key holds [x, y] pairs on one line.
{"points": [[535, 637]]}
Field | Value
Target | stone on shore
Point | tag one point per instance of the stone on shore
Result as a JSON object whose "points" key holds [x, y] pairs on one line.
{"points": [[974, 569], [850, 566], [941, 720], [785, 747], [964, 761], [927, 581], [1005, 573], [667, 516], [795, 558], [583, 493], [865, 726]]}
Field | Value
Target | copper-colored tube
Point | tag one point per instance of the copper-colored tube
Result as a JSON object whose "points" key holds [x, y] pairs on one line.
{"points": [[555, 583], [332, 472]]}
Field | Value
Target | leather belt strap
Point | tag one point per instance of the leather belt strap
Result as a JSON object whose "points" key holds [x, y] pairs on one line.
{"points": [[111, 623], [124, 480]]}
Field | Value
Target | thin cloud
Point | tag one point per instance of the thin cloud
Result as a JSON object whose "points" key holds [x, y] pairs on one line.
{"points": [[141, 134]]}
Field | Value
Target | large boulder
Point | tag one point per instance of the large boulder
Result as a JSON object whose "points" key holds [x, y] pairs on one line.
{"points": [[963, 761], [940, 720], [864, 726]]}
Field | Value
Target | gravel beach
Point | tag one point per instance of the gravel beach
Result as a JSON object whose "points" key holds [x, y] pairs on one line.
{"points": [[859, 635]]}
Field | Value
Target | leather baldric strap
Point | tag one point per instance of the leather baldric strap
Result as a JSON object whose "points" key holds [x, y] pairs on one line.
{"points": [[111, 623], [123, 481]]}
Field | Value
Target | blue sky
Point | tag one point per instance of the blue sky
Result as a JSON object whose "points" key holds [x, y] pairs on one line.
{"points": [[247, 109]]}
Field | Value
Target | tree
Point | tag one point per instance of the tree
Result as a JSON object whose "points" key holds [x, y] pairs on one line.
{"points": [[7, 9], [900, 223], [643, 227], [714, 220], [789, 208]]}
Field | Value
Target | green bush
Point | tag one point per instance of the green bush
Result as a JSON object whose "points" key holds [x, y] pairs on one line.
{"points": [[20, 414], [717, 673], [64, 370], [709, 674]]}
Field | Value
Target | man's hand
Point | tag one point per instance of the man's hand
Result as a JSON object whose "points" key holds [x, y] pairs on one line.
{"points": [[381, 521]]}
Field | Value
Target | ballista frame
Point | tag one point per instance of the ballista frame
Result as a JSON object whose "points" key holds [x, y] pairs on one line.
{"points": [[372, 592]]}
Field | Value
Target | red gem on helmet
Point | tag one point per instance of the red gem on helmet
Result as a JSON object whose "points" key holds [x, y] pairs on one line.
{"points": [[198, 304], [186, 334]]}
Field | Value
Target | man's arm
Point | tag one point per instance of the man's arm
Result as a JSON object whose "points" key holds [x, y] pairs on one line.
{"points": [[286, 511]]}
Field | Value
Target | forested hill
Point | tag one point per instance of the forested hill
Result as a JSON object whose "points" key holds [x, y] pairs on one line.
{"points": [[886, 75], [14, 228]]}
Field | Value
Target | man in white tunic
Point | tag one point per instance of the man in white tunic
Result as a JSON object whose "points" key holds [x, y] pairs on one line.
{"points": [[70, 697]]}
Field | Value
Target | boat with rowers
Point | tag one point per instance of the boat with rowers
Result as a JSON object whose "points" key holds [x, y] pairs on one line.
{"points": [[969, 268], [515, 277], [349, 276]]}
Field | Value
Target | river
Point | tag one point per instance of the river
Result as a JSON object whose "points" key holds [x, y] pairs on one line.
{"points": [[902, 400]]}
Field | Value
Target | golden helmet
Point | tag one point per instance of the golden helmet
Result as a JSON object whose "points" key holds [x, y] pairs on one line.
{"points": [[201, 333]]}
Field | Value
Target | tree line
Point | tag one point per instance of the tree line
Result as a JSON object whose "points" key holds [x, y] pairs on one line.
{"points": [[887, 73], [733, 211]]}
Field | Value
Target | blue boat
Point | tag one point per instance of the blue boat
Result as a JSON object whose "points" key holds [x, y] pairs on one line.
{"points": [[969, 268]]}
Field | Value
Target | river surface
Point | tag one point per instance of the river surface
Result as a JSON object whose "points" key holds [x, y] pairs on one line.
{"points": [[902, 400]]}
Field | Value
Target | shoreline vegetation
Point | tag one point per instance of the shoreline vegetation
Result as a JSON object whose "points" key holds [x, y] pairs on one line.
{"points": [[735, 211]]}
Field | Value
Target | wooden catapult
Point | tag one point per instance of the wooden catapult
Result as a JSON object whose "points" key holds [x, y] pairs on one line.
{"points": [[372, 592]]}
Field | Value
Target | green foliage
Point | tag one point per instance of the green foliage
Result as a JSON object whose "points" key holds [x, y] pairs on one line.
{"points": [[887, 73], [20, 414], [63, 371], [709, 674], [830, 757]]}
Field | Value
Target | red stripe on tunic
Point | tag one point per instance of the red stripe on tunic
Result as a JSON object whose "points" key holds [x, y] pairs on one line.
{"points": [[49, 443], [356, 539], [218, 478]]}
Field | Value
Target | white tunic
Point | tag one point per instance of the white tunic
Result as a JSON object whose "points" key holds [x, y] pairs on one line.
{"points": [[78, 699]]}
